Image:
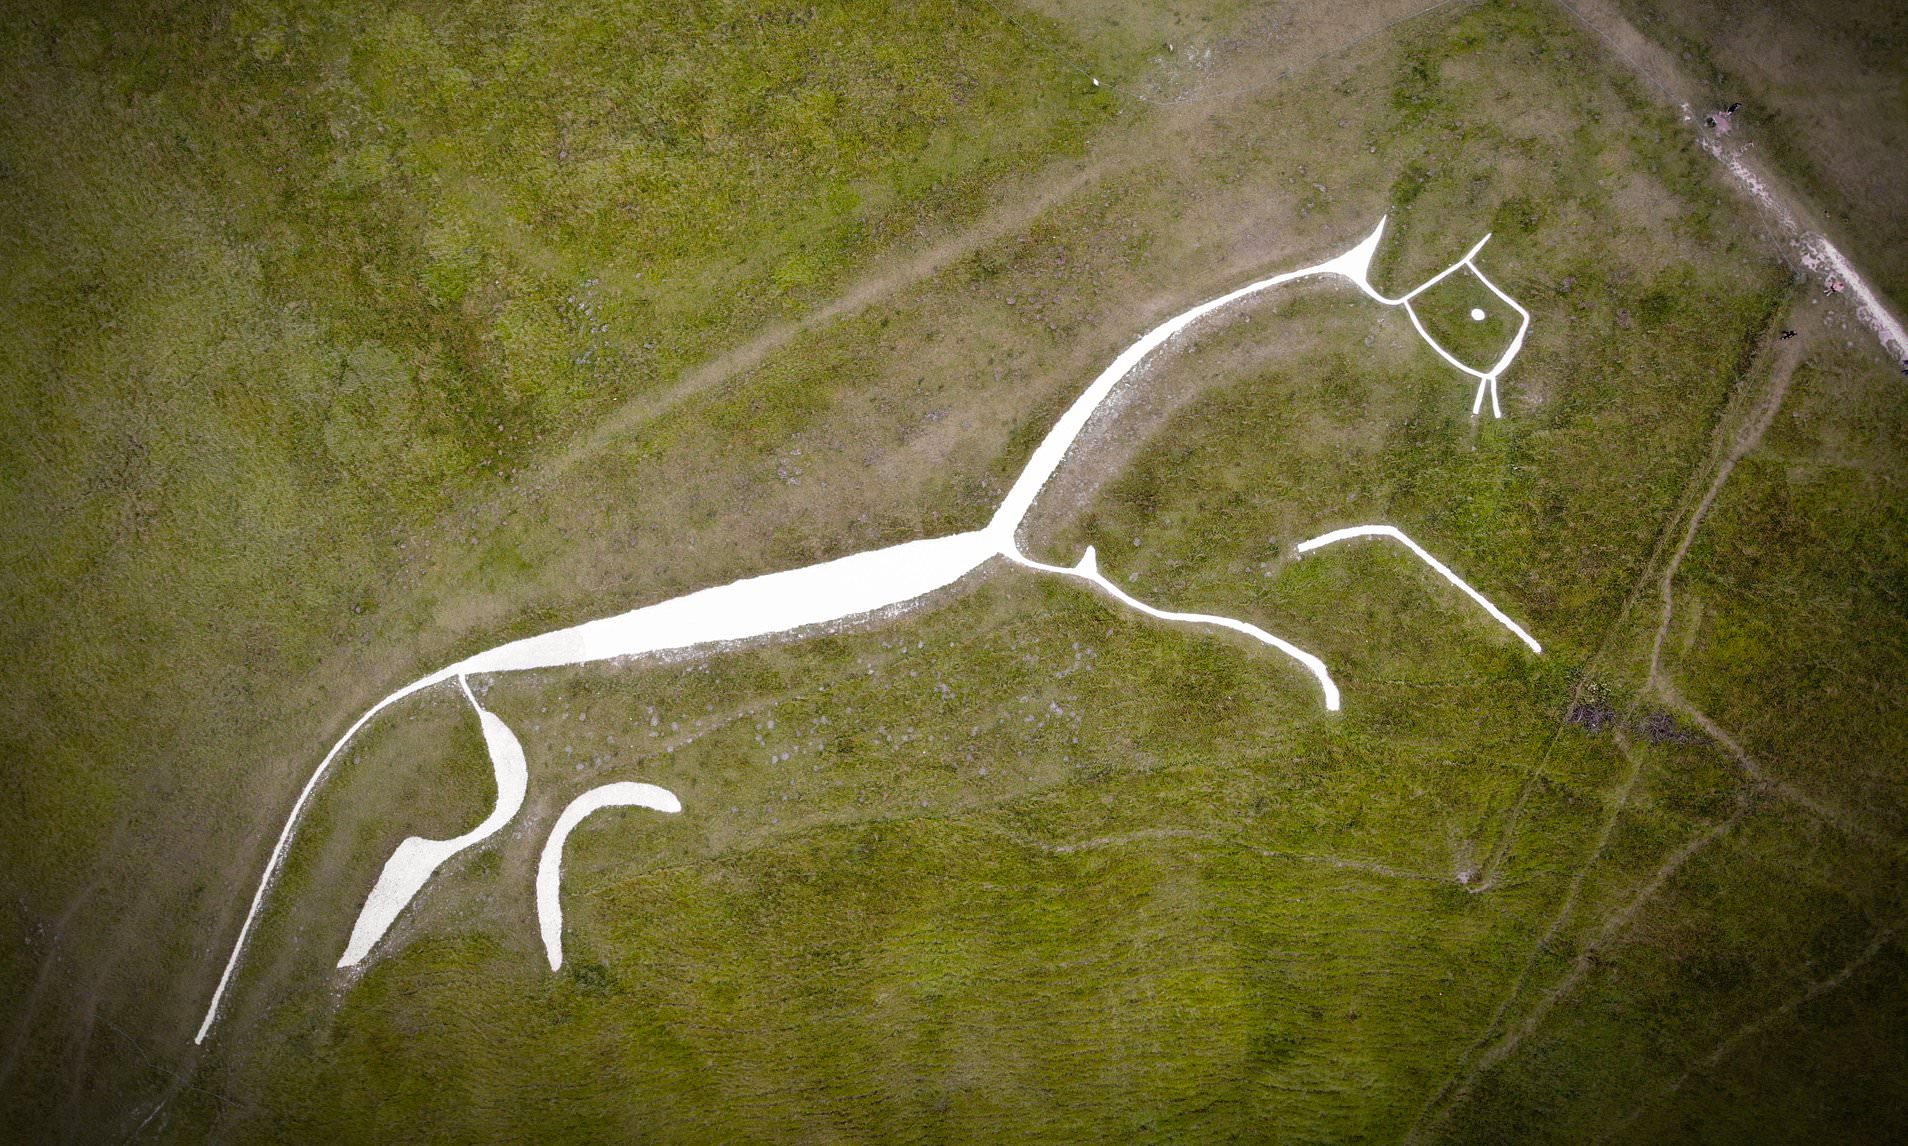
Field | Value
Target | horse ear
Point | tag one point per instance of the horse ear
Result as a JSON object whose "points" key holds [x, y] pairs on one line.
{"points": [[1355, 264]]}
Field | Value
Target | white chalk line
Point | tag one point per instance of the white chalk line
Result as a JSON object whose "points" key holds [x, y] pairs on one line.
{"points": [[1353, 264], [623, 794], [284, 840], [1088, 570], [1443, 570], [417, 859], [1486, 379], [859, 585]]}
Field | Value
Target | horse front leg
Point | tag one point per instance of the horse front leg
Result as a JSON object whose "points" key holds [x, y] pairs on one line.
{"points": [[1393, 533]]}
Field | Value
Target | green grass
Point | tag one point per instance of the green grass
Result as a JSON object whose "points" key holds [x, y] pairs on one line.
{"points": [[1015, 865], [288, 284], [1756, 993], [1447, 313], [1796, 585]]}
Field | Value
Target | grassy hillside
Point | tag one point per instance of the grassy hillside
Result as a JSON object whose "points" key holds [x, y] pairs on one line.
{"points": [[289, 287], [1824, 89], [345, 341]]}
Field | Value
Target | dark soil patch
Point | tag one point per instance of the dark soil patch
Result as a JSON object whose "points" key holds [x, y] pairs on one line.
{"points": [[1662, 728], [1593, 717]]}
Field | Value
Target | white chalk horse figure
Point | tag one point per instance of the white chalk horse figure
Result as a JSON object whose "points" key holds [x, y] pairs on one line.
{"points": [[835, 591]]}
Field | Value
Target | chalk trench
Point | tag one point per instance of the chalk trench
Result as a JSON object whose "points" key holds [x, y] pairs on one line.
{"points": [[623, 794], [829, 593]]}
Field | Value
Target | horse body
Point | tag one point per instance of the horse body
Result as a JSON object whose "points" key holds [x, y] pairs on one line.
{"points": [[791, 600]]}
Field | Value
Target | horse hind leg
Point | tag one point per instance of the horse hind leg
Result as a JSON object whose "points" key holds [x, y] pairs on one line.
{"points": [[417, 859], [550, 864], [1088, 570]]}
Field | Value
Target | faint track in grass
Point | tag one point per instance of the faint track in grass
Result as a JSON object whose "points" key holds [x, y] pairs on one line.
{"points": [[1839, 818], [885, 279], [1751, 1029], [882, 282], [1497, 1041], [1484, 1053], [1726, 449], [1143, 835], [1658, 681], [1483, 1057], [1782, 371], [961, 818]]}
